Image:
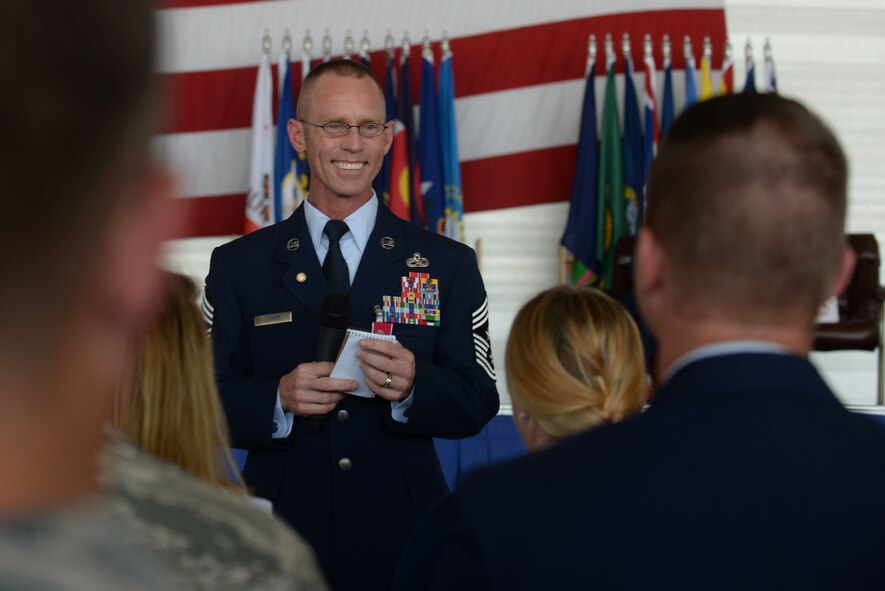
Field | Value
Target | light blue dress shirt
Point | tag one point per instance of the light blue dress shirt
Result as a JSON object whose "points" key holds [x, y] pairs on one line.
{"points": [[360, 225], [720, 349]]}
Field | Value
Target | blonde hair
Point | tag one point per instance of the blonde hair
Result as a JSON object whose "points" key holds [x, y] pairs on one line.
{"points": [[170, 406], [574, 360]]}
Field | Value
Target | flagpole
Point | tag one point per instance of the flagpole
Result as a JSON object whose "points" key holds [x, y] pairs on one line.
{"points": [[327, 47], [668, 107], [707, 69], [260, 199], [691, 93], [365, 45], [348, 45], [750, 82], [726, 80], [770, 79], [306, 54]]}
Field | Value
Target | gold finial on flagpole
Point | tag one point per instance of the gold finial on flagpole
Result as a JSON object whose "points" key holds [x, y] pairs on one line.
{"points": [[407, 45], [287, 43], [427, 47], [265, 42], [348, 45], [365, 44], [389, 44], [609, 51], [687, 50], [327, 46]]}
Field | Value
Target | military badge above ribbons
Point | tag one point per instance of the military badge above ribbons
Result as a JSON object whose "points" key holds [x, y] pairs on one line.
{"points": [[418, 302]]}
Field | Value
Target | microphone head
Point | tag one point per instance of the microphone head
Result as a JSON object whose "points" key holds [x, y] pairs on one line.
{"points": [[335, 310]]}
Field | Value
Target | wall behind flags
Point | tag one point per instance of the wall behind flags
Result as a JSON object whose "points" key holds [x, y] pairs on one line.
{"points": [[518, 76]]}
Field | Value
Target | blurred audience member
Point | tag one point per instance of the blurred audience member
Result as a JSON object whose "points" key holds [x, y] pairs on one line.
{"points": [[83, 209], [187, 511], [574, 361], [746, 472], [170, 404]]}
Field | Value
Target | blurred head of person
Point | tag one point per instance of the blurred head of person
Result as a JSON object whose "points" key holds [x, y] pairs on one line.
{"points": [[574, 361], [169, 405], [743, 236], [84, 210]]}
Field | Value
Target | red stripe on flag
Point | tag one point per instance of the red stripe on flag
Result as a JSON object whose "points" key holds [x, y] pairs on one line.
{"points": [[527, 178], [213, 100], [217, 215], [194, 3], [502, 60]]}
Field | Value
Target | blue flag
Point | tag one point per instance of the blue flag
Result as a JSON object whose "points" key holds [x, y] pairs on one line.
{"points": [[448, 140], [430, 167], [580, 230], [691, 89], [285, 157], [668, 110], [750, 82], [634, 166], [382, 181], [406, 114]]}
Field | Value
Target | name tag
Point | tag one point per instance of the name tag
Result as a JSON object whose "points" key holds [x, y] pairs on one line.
{"points": [[278, 318]]}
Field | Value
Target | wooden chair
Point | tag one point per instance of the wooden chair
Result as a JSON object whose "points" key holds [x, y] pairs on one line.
{"points": [[860, 310], [860, 306]]}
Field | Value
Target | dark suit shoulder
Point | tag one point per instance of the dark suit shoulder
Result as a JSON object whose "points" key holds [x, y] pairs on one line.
{"points": [[433, 240], [258, 241]]}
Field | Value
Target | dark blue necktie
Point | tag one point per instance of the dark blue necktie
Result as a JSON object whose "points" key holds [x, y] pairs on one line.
{"points": [[335, 267]]}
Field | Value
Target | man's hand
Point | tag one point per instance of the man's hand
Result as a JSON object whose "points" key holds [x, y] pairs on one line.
{"points": [[308, 389], [390, 375]]}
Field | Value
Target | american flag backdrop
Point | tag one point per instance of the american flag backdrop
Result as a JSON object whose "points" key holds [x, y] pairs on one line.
{"points": [[519, 81]]}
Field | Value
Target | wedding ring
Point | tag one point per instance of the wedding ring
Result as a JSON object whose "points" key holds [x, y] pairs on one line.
{"points": [[387, 381]]}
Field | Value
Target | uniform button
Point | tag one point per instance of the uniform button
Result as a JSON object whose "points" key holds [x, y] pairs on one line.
{"points": [[345, 464], [343, 415], [276, 427]]}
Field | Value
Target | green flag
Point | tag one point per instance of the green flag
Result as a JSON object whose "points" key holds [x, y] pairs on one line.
{"points": [[611, 218]]}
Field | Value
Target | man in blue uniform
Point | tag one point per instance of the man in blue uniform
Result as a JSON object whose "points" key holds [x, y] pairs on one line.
{"points": [[746, 472], [352, 474]]}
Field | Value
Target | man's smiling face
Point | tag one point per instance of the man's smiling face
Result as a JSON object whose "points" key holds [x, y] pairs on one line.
{"points": [[343, 167]]}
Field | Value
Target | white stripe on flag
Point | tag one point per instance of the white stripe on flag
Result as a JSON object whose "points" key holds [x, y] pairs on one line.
{"points": [[229, 36]]}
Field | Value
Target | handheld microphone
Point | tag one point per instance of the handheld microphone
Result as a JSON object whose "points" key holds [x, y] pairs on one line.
{"points": [[334, 317]]}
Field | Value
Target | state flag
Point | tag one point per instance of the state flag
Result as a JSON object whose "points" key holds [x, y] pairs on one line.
{"points": [[260, 198], [580, 230]]}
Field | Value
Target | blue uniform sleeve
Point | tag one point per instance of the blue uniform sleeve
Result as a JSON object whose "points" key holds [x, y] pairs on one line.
{"points": [[248, 400]]}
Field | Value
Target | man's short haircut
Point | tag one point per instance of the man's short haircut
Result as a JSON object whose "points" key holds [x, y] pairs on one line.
{"points": [[343, 68], [747, 196], [76, 114]]}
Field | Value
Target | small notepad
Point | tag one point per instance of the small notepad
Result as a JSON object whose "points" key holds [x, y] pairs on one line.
{"points": [[347, 366]]}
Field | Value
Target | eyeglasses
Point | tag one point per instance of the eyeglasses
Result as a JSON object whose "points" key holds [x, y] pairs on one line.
{"points": [[338, 129]]}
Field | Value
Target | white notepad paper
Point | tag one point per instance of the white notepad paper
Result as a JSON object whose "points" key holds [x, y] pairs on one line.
{"points": [[347, 366]]}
